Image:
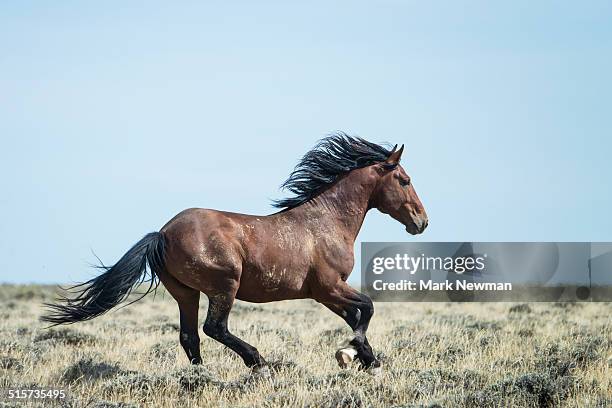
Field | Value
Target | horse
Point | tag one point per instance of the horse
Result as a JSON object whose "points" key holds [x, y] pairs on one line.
{"points": [[303, 251]]}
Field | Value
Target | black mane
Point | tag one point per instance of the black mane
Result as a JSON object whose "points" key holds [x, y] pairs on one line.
{"points": [[332, 157]]}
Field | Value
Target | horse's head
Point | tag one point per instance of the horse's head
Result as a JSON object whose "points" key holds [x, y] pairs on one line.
{"points": [[395, 195]]}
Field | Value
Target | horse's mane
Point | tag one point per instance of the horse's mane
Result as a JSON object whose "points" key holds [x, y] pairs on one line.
{"points": [[332, 157]]}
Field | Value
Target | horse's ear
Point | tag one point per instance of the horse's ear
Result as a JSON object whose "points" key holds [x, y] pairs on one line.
{"points": [[395, 156]]}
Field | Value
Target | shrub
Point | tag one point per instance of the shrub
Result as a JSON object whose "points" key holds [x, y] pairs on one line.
{"points": [[520, 308], [65, 336], [88, 369]]}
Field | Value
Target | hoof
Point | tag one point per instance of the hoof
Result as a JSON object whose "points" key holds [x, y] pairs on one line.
{"points": [[345, 356], [261, 371], [375, 371]]}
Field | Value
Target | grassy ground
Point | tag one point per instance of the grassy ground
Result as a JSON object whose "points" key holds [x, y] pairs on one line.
{"points": [[471, 355]]}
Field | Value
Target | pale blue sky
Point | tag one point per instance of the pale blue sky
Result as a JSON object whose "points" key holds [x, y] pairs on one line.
{"points": [[114, 116]]}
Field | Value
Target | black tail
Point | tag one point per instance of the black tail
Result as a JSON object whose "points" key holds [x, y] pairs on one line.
{"points": [[100, 294]]}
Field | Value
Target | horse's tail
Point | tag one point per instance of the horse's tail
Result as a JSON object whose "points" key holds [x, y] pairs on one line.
{"points": [[102, 293]]}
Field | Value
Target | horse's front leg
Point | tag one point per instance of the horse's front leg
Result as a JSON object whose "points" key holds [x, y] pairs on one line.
{"points": [[356, 309]]}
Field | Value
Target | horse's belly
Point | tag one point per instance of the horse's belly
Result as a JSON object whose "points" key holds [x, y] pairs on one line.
{"points": [[272, 284]]}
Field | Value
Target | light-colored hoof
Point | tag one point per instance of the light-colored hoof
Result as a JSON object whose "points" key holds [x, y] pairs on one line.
{"points": [[345, 356], [376, 371], [261, 371]]}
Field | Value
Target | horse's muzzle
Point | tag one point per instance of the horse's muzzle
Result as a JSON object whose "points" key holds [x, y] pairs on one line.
{"points": [[418, 226]]}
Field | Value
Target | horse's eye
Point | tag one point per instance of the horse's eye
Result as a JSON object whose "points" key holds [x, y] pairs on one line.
{"points": [[404, 182]]}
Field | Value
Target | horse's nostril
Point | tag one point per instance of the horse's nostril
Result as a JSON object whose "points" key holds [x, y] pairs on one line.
{"points": [[424, 225]]}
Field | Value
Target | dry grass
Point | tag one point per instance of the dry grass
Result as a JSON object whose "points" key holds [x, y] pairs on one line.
{"points": [[435, 354]]}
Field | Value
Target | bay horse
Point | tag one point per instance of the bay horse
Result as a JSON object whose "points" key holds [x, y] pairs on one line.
{"points": [[303, 251]]}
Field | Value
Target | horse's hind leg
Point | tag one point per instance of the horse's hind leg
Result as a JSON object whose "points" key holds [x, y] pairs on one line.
{"points": [[219, 307], [188, 300]]}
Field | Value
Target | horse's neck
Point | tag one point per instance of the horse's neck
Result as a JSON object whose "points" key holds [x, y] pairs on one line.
{"points": [[343, 205]]}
